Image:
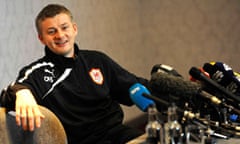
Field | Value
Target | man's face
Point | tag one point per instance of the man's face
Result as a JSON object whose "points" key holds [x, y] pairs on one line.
{"points": [[59, 33]]}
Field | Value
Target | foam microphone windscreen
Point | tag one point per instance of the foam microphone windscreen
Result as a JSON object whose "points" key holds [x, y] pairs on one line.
{"points": [[168, 84]]}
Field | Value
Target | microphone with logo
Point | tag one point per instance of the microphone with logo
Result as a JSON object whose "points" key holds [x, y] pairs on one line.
{"points": [[176, 89], [173, 88], [136, 93], [141, 96], [164, 84], [143, 99], [224, 75], [188, 92], [225, 94], [153, 128]]}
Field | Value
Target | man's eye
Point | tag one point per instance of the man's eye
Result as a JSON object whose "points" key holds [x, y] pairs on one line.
{"points": [[51, 32], [65, 27]]}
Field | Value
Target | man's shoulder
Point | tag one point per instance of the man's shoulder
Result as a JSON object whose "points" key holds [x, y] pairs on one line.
{"points": [[93, 54], [39, 63]]}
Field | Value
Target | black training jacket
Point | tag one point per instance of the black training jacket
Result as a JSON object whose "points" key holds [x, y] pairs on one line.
{"points": [[84, 92]]}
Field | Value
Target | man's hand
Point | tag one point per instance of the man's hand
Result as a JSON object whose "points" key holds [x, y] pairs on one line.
{"points": [[27, 111]]}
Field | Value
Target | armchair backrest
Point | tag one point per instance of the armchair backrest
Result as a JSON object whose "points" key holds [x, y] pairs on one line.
{"points": [[50, 132]]}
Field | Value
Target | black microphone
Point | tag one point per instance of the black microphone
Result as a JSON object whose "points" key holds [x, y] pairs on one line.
{"points": [[143, 99], [162, 68], [138, 92], [197, 74], [224, 75], [160, 101], [165, 84], [183, 112]]}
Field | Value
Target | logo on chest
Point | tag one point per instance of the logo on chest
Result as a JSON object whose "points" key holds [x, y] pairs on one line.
{"points": [[49, 77], [96, 76]]}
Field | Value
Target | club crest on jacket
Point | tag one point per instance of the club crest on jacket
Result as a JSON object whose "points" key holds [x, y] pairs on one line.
{"points": [[96, 76]]}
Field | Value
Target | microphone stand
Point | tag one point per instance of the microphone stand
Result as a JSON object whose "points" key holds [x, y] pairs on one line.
{"points": [[197, 74], [202, 123]]}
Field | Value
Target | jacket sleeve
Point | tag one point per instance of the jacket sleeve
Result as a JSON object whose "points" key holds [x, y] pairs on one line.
{"points": [[8, 96], [120, 80]]}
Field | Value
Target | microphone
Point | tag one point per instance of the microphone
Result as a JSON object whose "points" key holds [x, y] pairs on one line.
{"points": [[165, 84], [234, 118], [143, 99], [162, 68], [197, 74], [224, 75], [136, 93]]}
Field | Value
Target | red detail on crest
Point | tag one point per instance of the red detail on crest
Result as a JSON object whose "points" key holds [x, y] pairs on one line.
{"points": [[96, 76]]}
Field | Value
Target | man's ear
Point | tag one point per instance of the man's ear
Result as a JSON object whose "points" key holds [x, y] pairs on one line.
{"points": [[75, 28], [41, 38]]}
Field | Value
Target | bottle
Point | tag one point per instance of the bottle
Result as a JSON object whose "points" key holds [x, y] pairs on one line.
{"points": [[172, 128], [154, 128]]}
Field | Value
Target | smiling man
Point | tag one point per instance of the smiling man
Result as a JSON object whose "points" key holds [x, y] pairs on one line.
{"points": [[83, 88]]}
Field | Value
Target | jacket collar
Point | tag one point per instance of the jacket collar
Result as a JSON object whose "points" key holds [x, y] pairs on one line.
{"points": [[61, 60]]}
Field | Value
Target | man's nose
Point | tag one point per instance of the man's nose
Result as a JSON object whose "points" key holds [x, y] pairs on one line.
{"points": [[59, 34]]}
